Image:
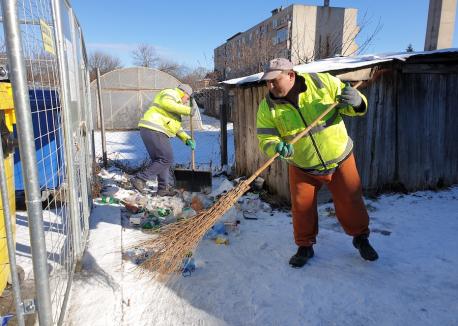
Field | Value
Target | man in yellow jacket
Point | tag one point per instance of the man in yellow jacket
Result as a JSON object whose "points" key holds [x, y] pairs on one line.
{"points": [[323, 156], [161, 122]]}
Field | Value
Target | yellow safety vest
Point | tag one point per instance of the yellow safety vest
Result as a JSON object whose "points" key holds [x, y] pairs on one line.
{"points": [[327, 143], [164, 114]]}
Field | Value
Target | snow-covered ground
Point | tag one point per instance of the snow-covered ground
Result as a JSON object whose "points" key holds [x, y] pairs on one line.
{"points": [[249, 281]]}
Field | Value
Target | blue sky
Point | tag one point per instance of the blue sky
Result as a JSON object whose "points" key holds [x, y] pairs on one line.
{"points": [[187, 31]]}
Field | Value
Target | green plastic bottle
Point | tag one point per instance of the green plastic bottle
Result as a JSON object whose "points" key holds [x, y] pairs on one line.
{"points": [[109, 200]]}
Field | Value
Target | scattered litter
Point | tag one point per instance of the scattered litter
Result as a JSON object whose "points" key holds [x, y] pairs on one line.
{"points": [[150, 223], [187, 212], [196, 204], [223, 188], [137, 255], [233, 227], [258, 184], [162, 212], [189, 266], [105, 174], [221, 239], [136, 219], [108, 200], [251, 205], [217, 229], [132, 207]]}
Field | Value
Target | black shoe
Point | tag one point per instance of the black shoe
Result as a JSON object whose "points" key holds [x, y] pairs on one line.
{"points": [[170, 192], [138, 184], [366, 251], [300, 258]]}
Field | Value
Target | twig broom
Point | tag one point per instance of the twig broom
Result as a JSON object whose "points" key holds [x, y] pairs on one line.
{"points": [[175, 241]]}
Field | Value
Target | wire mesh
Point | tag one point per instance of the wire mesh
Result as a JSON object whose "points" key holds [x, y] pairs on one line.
{"points": [[49, 110]]}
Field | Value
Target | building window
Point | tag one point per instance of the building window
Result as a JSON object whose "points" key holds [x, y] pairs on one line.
{"points": [[274, 23], [282, 35]]}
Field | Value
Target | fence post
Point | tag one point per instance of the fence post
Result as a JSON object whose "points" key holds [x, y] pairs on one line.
{"points": [[10, 241], [68, 141], [223, 124], [102, 122], [28, 159]]}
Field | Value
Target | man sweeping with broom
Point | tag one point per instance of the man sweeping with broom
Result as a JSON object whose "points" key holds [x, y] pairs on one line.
{"points": [[323, 156]]}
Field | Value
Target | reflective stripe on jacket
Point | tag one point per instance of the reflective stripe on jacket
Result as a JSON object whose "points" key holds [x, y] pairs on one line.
{"points": [[164, 114], [327, 143]]}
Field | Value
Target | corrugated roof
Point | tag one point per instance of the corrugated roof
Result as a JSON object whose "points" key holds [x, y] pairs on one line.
{"points": [[341, 63]]}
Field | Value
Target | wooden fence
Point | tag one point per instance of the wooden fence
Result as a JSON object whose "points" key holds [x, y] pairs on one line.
{"points": [[407, 141], [210, 99]]}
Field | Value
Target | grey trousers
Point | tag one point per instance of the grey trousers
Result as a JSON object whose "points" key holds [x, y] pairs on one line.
{"points": [[160, 151]]}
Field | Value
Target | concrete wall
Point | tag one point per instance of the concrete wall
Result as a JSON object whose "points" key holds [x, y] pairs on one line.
{"points": [[441, 24], [303, 31]]}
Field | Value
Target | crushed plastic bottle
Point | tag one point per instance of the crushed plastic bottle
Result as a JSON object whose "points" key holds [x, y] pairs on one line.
{"points": [[108, 200], [162, 212], [189, 266], [151, 222]]}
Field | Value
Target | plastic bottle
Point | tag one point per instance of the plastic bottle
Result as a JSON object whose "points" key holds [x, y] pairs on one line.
{"points": [[109, 200], [189, 266], [150, 223]]}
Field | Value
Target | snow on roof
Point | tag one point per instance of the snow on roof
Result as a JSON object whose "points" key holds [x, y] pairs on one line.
{"points": [[340, 63]]}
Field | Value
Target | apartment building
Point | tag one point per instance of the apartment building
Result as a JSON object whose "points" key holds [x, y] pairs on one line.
{"points": [[298, 32]]}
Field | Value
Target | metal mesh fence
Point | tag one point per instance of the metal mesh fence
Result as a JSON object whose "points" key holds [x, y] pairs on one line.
{"points": [[57, 84]]}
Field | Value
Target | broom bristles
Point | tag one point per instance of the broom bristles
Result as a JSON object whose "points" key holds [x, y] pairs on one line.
{"points": [[175, 241]]}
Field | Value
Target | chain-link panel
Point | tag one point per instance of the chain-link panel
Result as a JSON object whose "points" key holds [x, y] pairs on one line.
{"points": [[54, 61]]}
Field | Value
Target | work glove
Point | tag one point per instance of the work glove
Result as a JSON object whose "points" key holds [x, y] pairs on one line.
{"points": [[350, 96], [284, 149], [191, 143]]}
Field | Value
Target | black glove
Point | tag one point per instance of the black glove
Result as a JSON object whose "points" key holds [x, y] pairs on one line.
{"points": [[350, 96]]}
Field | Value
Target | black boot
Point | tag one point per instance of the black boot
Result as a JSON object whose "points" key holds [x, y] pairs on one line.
{"points": [[169, 191], [300, 258], [138, 184], [361, 242]]}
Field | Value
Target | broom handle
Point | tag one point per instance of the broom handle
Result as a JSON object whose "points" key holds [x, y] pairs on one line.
{"points": [[193, 155], [295, 139]]}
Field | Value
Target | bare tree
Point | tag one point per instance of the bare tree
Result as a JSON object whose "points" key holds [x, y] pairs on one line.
{"points": [[246, 54], [341, 42], [145, 56], [171, 67], [104, 61], [194, 77]]}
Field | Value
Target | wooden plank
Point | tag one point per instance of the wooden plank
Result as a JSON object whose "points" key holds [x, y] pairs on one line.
{"points": [[424, 68], [449, 173]]}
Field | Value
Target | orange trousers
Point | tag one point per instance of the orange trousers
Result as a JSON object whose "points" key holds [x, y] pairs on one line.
{"points": [[345, 186]]}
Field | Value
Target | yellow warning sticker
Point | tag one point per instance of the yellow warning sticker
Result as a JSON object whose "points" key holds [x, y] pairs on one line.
{"points": [[46, 34]]}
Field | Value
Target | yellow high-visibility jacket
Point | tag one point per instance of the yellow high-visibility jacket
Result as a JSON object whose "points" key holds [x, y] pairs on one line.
{"points": [[165, 113], [327, 143]]}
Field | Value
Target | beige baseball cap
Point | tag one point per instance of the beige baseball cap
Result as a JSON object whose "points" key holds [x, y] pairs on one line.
{"points": [[275, 67], [186, 88]]}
